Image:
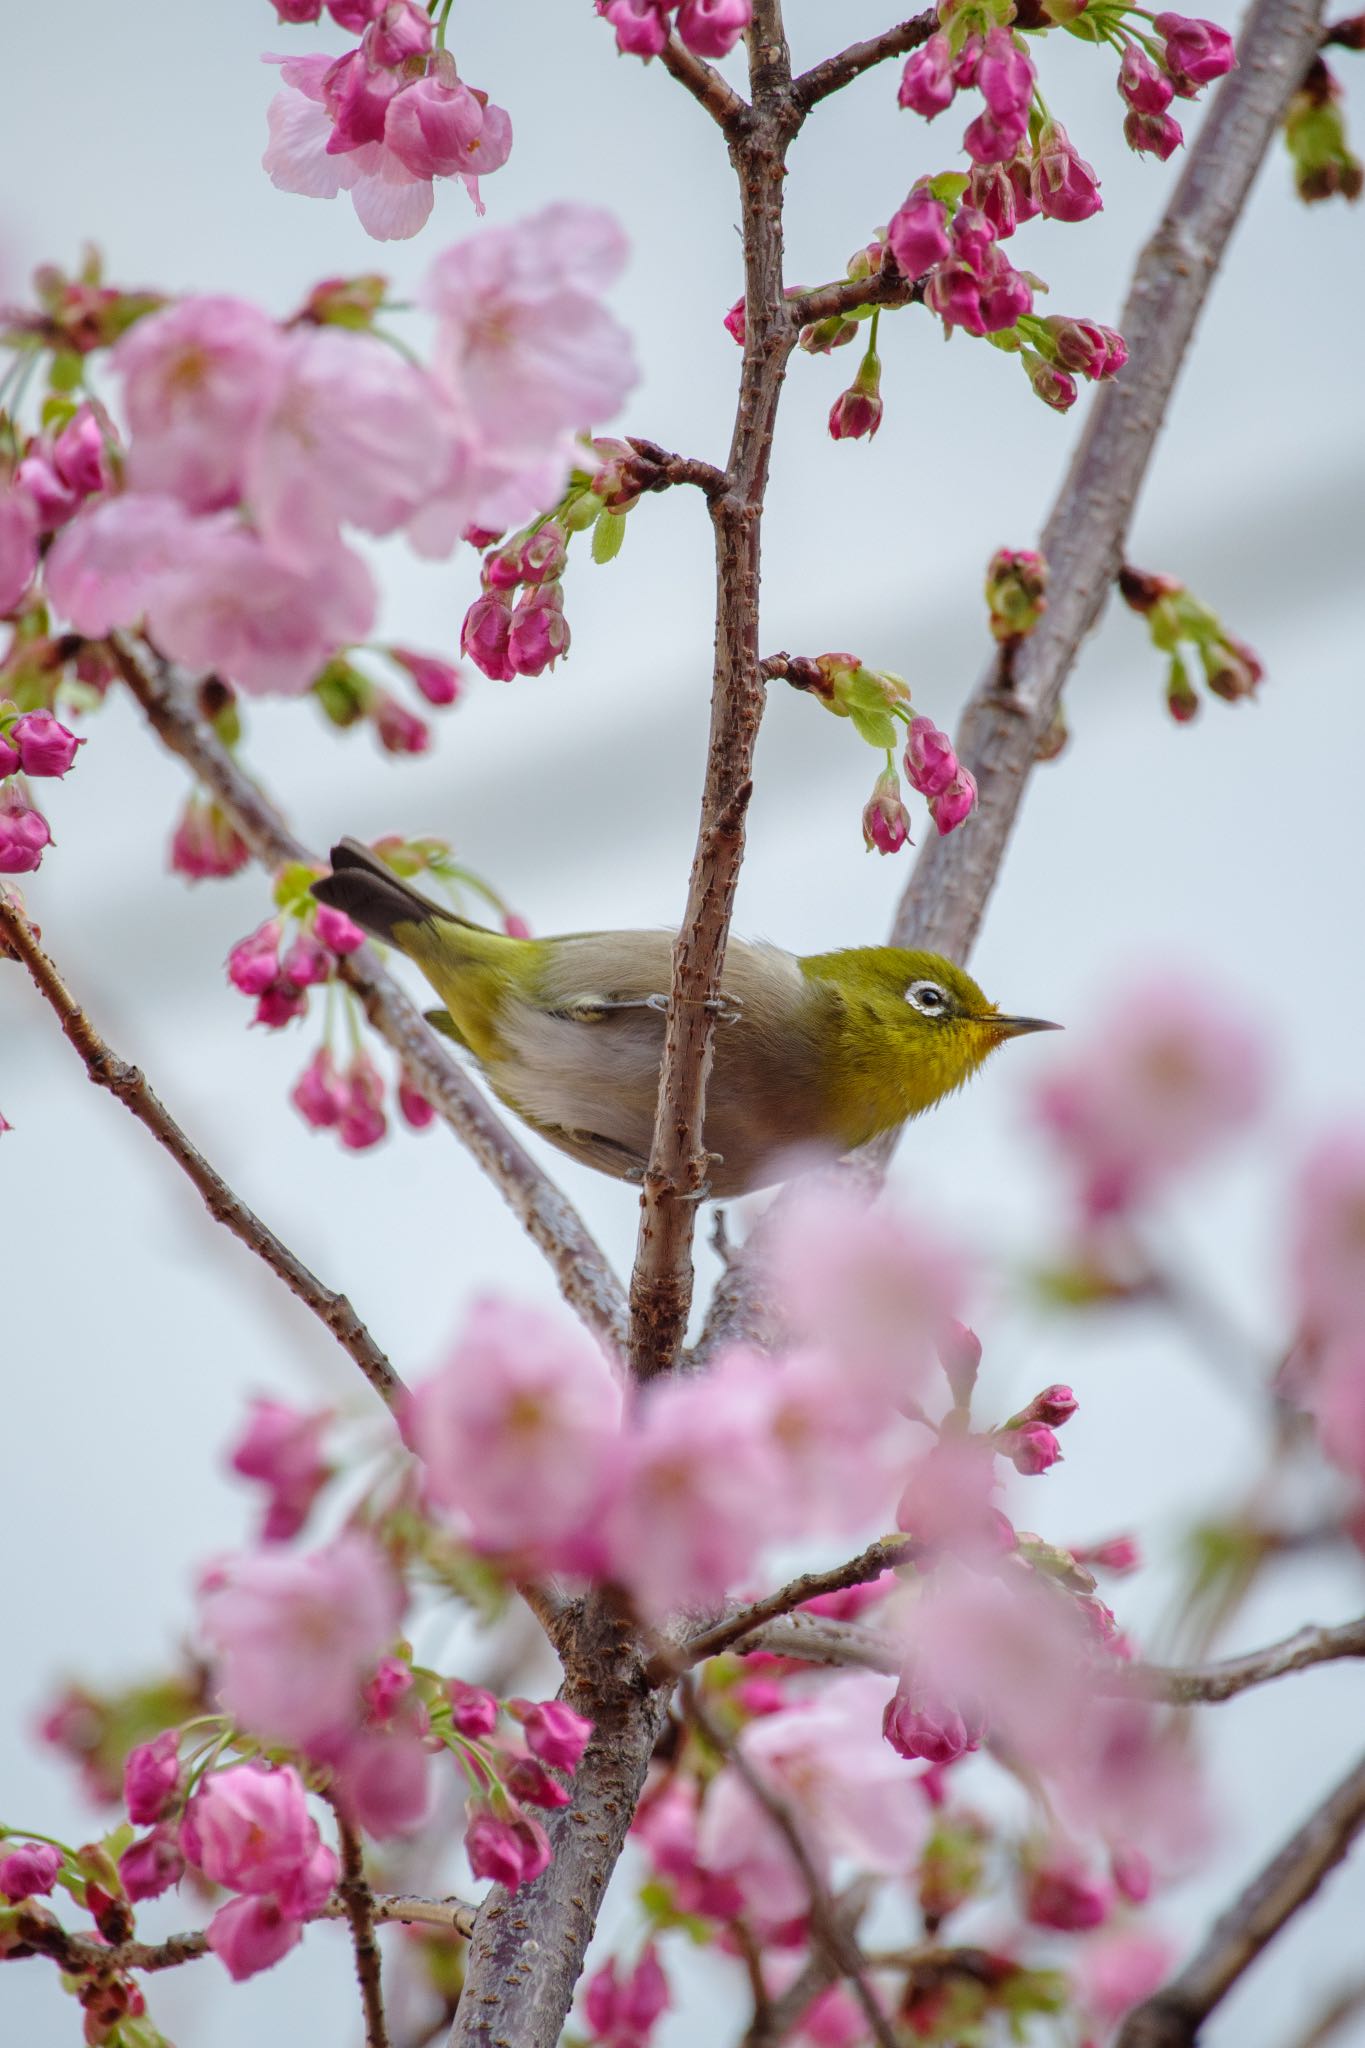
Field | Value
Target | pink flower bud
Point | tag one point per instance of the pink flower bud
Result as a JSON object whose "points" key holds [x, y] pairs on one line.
{"points": [[956, 804], [281, 1448], [416, 1112], [362, 1122], [1016, 587], [1054, 1406], [307, 962], [486, 635], [927, 83], [319, 1095], [542, 556], [78, 454], [1196, 51], [24, 833], [9, 757], [554, 1732], [641, 25], [511, 1852], [886, 822], [1055, 387], [991, 192], [400, 731], [254, 961], [530, 1782], [959, 1353], [733, 323], [516, 927], [1031, 1449], [401, 31], [917, 234], [711, 28], [1116, 1554], [26, 1871], [539, 631], [1064, 184], [279, 1005], [855, 414], [954, 293], [151, 1778], [1062, 1895], [205, 843], [438, 681], [966, 62], [389, 1687], [473, 1711], [337, 931], [623, 2012], [931, 765], [45, 746], [1087, 347], [48, 497], [297, 10], [150, 1867], [993, 139], [1158, 135], [1004, 77], [1231, 668], [356, 95], [1143, 84], [917, 1725]]}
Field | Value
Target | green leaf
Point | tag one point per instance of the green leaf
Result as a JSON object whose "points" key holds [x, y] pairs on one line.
{"points": [[607, 535], [65, 371], [876, 726], [949, 186], [292, 886]]}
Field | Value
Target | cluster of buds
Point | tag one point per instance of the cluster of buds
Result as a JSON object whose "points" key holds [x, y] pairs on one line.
{"points": [[73, 459], [37, 744], [278, 970], [1029, 1438], [1016, 592], [1315, 131], [506, 634], [708, 28], [349, 697], [620, 2006], [398, 97], [877, 705], [1177, 620], [350, 1100]]}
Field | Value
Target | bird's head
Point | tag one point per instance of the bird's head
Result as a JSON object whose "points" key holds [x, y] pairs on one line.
{"points": [[915, 1022]]}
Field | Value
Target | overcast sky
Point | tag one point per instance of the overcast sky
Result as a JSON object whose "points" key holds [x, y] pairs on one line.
{"points": [[133, 1329]]}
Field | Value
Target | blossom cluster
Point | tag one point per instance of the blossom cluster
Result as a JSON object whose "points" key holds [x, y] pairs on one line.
{"points": [[383, 121], [37, 744], [708, 28]]}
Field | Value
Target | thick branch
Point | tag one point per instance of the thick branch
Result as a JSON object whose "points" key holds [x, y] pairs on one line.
{"points": [[550, 1220], [129, 1085], [661, 1285], [835, 72], [1016, 701], [830, 1932], [358, 1904], [881, 1556], [1174, 2016], [706, 86]]}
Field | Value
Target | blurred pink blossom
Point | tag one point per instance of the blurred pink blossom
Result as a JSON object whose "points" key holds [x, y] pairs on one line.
{"points": [[282, 1448], [198, 379]]}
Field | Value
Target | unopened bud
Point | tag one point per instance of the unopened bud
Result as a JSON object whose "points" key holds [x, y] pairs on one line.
{"points": [[1016, 591], [1031, 1449], [822, 336], [1054, 1406], [959, 1353]]}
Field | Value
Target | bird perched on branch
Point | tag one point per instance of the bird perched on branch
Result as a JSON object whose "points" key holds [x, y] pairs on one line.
{"points": [[817, 1052]]}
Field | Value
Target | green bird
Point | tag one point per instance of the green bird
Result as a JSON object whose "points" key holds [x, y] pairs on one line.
{"points": [[822, 1051]]}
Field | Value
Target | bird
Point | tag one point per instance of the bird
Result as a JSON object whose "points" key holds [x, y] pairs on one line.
{"points": [[814, 1053]]}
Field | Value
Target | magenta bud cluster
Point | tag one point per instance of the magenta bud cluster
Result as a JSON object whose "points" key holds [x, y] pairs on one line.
{"points": [[37, 744], [708, 28], [506, 634]]}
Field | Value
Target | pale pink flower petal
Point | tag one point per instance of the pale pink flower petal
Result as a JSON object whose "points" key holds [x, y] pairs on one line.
{"points": [[102, 568], [1329, 1237], [18, 546], [248, 1935], [198, 379], [296, 158], [390, 203]]}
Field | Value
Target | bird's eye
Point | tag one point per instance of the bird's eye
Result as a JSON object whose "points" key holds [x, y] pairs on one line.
{"points": [[928, 997]]}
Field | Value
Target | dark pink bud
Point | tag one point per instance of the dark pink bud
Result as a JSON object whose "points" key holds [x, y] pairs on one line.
{"points": [[531, 1782], [918, 1725], [623, 2011], [45, 746], [9, 757], [760, 1696], [357, 95], [205, 843], [539, 631], [641, 25], [297, 10], [856, 413], [502, 570], [1055, 387], [78, 454], [917, 234], [930, 762], [956, 803], [438, 681], [1064, 184], [991, 140], [308, 962], [151, 1778], [554, 1732], [1158, 135], [150, 1867], [319, 1095], [413, 1106], [711, 28], [1087, 347], [337, 931], [511, 1852], [991, 193], [1031, 1449], [279, 1005], [29, 1870], [254, 961], [1063, 1896], [959, 1353], [927, 82], [1196, 51], [967, 62], [481, 537], [1054, 1406], [516, 927], [400, 731], [362, 1122], [46, 494], [401, 31], [1006, 294], [473, 1711], [389, 1687], [1004, 76], [486, 636], [886, 822], [542, 556], [954, 293], [1116, 1554], [1143, 84], [733, 323], [24, 834], [354, 14]]}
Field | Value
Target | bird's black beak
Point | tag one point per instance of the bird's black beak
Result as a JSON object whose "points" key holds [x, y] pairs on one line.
{"points": [[1019, 1027]]}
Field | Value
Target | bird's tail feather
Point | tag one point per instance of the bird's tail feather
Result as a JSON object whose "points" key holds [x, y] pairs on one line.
{"points": [[372, 894]]}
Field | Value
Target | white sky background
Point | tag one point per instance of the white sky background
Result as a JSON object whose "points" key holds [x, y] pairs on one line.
{"points": [[132, 1328]]}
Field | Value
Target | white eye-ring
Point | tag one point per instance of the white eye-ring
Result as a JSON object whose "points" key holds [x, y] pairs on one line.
{"points": [[928, 997]]}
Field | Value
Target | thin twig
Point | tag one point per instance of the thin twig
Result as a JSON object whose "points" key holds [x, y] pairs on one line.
{"points": [[130, 1086], [658, 470], [706, 86], [835, 72], [888, 287], [829, 1931], [883, 1555], [661, 1283], [549, 1219], [358, 1903], [1347, 2005], [1173, 2017], [780, 2017]]}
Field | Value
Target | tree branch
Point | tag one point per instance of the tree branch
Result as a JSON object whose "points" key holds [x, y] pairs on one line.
{"points": [[774, 2021], [661, 1284], [836, 72], [883, 1555], [358, 1904], [887, 287], [706, 86], [830, 1932], [129, 1085], [1173, 2017], [1189, 1685], [657, 470], [549, 1219], [1015, 702]]}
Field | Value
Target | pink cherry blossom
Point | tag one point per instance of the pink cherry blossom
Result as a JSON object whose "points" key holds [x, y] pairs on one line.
{"points": [[711, 28], [1165, 1080], [524, 345], [1118, 1970], [473, 1710], [27, 1871], [517, 1432], [102, 568], [665, 1826], [886, 822], [380, 1777], [391, 204], [621, 2009], [917, 233], [282, 1448], [1064, 185], [1196, 51], [151, 1866], [554, 1732], [948, 1499], [249, 1827], [1329, 1237], [251, 1934], [439, 128], [151, 1778], [698, 1492], [294, 1635], [927, 84], [24, 834], [641, 25], [1060, 1892], [511, 1852], [198, 379]]}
